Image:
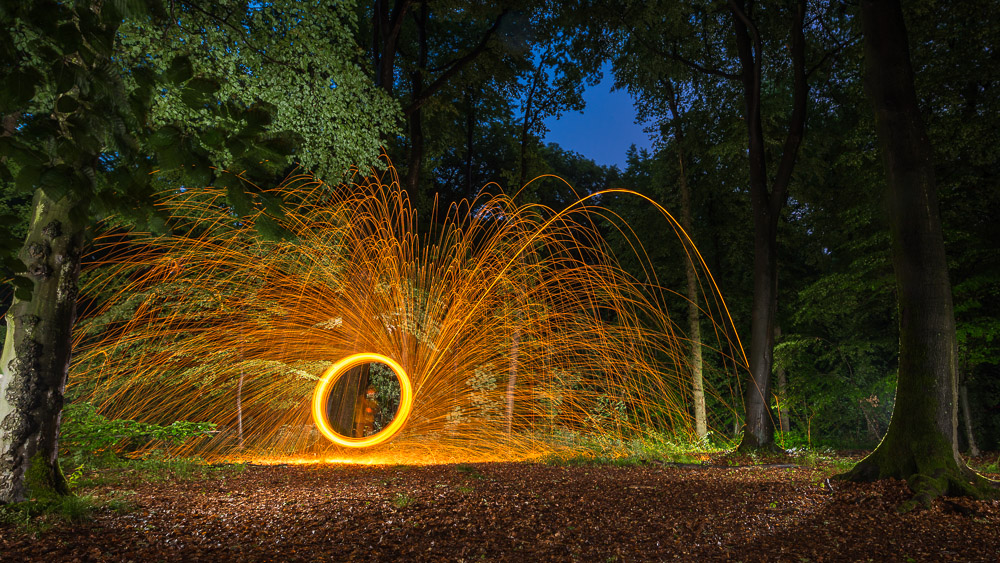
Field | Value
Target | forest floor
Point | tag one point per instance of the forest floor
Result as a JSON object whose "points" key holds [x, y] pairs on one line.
{"points": [[731, 509]]}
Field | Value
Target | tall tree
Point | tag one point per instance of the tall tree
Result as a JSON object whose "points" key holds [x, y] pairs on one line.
{"points": [[430, 45], [921, 442], [87, 142], [767, 202]]}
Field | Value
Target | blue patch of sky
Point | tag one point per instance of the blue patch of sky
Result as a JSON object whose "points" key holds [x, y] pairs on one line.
{"points": [[605, 128]]}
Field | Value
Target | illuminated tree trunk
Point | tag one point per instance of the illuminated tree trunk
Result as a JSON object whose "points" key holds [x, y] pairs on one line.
{"points": [[512, 378], [921, 442], [239, 408], [36, 354], [694, 322], [782, 378]]}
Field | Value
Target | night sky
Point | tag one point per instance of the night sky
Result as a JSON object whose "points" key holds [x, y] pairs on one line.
{"points": [[606, 127]]}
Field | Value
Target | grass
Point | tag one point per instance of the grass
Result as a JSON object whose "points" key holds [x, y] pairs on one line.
{"points": [[38, 515], [402, 500], [469, 471], [114, 471], [41, 514]]}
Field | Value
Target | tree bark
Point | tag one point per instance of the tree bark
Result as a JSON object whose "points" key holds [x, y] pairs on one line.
{"points": [[693, 314], [386, 27], [36, 354], [512, 378], [415, 158], [970, 437], [921, 443], [782, 378], [470, 137], [766, 207], [522, 177]]}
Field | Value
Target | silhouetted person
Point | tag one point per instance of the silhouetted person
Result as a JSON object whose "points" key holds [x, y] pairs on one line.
{"points": [[364, 413]]}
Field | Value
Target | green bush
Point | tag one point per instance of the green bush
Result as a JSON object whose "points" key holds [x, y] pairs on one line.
{"points": [[87, 435]]}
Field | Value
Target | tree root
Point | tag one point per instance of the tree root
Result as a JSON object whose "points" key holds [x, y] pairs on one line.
{"points": [[940, 482]]}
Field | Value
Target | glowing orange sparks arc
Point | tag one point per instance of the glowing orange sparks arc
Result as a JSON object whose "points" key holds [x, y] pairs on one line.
{"points": [[325, 386]]}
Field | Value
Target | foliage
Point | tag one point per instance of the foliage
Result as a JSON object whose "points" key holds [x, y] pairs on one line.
{"points": [[296, 58], [39, 515], [87, 435]]}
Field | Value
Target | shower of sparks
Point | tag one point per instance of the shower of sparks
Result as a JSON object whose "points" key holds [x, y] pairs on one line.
{"points": [[520, 333]]}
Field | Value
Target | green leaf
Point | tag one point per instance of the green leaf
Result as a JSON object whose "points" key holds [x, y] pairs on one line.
{"points": [[165, 136], [27, 178], [236, 146], [199, 92], [200, 174], [259, 115], [58, 181], [68, 37], [19, 89], [47, 15], [213, 137], [180, 70], [144, 77], [270, 230], [65, 76], [172, 156], [23, 287], [237, 197]]}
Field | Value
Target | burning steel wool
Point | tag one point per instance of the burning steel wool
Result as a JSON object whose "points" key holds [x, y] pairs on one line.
{"points": [[504, 332]]}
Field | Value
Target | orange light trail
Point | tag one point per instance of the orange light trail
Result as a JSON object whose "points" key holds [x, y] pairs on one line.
{"points": [[322, 394], [513, 330]]}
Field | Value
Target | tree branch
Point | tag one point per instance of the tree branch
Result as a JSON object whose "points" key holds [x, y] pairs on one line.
{"points": [[797, 121], [454, 67]]}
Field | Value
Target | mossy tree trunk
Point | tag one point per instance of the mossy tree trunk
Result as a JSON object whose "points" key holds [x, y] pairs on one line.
{"points": [[921, 442], [36, 352]]}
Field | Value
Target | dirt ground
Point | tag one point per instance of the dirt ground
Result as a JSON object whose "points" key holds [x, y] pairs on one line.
{"points": [[514, 512]]}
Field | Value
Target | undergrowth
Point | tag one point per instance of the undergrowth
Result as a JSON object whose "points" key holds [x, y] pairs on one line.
{"points": [[39, 515]]}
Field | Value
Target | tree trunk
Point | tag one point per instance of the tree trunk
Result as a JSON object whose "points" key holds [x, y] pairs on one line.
{"points": [[970, 438], [416, 153], [470, 137], [766, 208], [921, 443], [36, 353], [694, 321], [782, 389], [239, 408], [512, 378], [526, 130], [386, 27]]}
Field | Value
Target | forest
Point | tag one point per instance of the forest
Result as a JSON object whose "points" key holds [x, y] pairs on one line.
{"points": [[225, 221]]}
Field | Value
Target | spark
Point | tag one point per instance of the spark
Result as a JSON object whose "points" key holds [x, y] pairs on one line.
{"points": [[513, 329]]}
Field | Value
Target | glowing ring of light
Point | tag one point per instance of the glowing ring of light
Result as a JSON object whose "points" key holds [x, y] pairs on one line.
{"points": [[325, 386]]}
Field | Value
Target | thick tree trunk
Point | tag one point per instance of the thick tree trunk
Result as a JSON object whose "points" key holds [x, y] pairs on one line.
{"points": [[693, 314], [921, 442], [36, 353]]}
